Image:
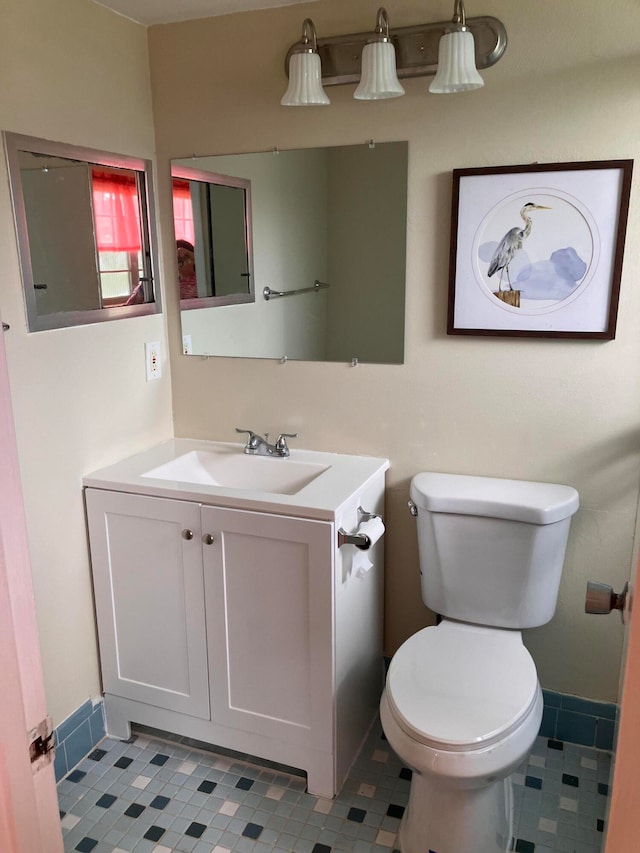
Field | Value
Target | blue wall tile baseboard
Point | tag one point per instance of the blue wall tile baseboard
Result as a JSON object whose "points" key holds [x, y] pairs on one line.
{"points": [[77, 736], [578, 720], [565, 717]]}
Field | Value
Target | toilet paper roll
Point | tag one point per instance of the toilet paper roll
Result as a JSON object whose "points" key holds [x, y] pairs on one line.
{"points": [[361, 562], [374, 529]]}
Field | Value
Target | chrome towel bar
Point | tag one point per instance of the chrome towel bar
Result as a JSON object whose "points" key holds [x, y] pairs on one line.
{"points": [[268, 293]]}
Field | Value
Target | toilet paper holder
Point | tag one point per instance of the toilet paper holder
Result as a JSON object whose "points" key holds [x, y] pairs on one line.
{"points": [[360, 540]]}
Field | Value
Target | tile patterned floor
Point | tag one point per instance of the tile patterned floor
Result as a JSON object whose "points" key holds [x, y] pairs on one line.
{"points": [[157, 796], [561, 798]]}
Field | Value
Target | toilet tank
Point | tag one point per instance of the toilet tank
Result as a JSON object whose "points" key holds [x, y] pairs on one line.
{"points": [[491, 550]]}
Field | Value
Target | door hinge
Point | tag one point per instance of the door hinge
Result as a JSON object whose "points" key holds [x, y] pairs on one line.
{"points": [[42, 744]]}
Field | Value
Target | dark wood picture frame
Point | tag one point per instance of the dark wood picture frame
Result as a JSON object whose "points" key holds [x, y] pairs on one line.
{"points": [[560, 291]]}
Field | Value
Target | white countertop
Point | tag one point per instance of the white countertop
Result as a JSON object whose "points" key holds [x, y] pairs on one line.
{"points": [[321, 498]]}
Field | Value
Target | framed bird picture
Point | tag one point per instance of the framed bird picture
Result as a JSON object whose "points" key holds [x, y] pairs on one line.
{"points": [[536, 251]]}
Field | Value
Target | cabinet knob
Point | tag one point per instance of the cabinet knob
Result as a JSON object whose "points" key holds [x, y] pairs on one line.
{"points": [[208, 539], [187, 534]]}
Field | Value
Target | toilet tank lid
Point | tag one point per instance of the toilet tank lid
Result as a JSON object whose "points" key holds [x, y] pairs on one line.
{"points": [[515, 500]]}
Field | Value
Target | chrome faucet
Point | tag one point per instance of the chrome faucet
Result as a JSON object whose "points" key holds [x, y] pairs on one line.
{"points": [[259, 446]]}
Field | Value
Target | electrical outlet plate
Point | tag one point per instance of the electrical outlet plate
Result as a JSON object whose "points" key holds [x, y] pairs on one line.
{"points": [[153, 360]]}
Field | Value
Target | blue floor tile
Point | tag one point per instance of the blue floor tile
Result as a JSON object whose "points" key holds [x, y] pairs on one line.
{"points": [[136, 796]]}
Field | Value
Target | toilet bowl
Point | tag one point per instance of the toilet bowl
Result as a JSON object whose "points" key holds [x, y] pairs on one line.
{"points": [[462, 704], [462, 707]]}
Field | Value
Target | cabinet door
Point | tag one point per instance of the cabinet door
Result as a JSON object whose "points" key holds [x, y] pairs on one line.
{"points": [[146, 555], [268, 586]]}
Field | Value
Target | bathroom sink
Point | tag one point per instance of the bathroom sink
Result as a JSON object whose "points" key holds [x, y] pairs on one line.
{"points": [[231, 468], [312, 483]]}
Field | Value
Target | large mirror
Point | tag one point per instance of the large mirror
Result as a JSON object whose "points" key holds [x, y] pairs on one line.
{"points": [[328, 232], [84, 230]]}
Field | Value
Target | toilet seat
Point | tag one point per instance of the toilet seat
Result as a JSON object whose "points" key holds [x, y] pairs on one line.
{"points": [[460, 687]]}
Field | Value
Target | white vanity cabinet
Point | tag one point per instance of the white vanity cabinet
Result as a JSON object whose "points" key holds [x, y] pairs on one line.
{"points": [[239, 627]]}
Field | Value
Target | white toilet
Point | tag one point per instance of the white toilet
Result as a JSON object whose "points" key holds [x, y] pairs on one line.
{"points": [[462, 704]]}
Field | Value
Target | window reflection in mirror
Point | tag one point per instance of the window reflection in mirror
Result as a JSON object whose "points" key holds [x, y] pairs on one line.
{"points": [[82, 223], [212, 221]]}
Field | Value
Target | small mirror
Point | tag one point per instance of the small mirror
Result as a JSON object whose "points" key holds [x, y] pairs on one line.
{"points": [[82, 223], [326, 231], [212, 219]]}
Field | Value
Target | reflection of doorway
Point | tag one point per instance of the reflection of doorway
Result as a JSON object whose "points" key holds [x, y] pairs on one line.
{"points": [[29, 817], [63, 255], [228, 239]]}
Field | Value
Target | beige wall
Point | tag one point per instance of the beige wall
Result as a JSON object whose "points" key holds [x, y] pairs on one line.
{"points": [[561, 411], [73, 72]]}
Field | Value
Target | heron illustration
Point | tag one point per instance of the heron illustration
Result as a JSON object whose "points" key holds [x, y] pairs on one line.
{"points": [[511, 244]]}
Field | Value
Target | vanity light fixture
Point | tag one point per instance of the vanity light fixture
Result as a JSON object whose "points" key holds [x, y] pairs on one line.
{"points": [[451, 50], [305, 76], [379, 76], [457, 70]]}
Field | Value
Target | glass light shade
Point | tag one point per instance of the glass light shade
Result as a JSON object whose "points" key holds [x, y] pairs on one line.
{"points": [[379, 78], [305, 82], [456, 64]]}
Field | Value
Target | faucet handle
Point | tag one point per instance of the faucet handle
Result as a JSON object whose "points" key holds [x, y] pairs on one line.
{"points": [[281, 442], [252, 440]]}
